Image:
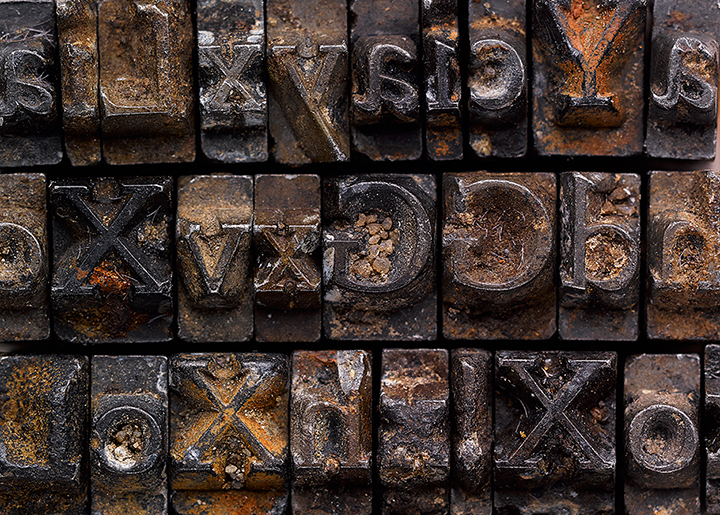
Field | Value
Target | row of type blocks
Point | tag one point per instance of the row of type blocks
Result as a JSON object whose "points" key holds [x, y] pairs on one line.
{"points": [[291, 79], [264, 256], [242, 434]]}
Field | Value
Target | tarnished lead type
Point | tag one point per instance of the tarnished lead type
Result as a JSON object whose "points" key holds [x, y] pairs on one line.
{"points": [[711, 416]]}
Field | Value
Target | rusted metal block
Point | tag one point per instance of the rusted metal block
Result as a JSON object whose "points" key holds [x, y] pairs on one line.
{"points": [[386, 79], [599, 256], [146, 83], [213, 237], [682, 110], [662, 434], [414, 433], [78, 40], [379, 258], [112, 279], [43, 429], [24, 258], [588, 77], [499, 256], [555, 432], [233, 97], [29, 119], [331, 432], [229, 433], [128, 438], [472, 434], [711, 428], [443, 116], [497, 78], [308, 74], [287, 276], [682, 239]]}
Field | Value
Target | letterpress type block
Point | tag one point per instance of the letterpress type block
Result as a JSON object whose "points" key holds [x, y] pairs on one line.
{"points": [[414, 432], [499, 256], [23, 258], [497, 78], [682, 111], [711, 423], [287, 276], [229, 433], [233, 97], [112, 280], [29, 120], [308, 74], [472, 432], [683, 235], [662, 434], [128, 438], [331, 432], [379, 258], [78, 38], [443, 126], [599, 256], [386, 79], [43, 429], [146, 84], [555, 432], [213, 237], [588, 77]]}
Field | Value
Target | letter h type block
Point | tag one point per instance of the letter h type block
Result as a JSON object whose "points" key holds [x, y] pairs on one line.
{"points": [[213, 238], [331, 432], [229, 433], [128, 439], [555, 432], [712, 429], [414, 432], [662, 434], [112, 280], [379, 258], [43, 429], [600, 256]]}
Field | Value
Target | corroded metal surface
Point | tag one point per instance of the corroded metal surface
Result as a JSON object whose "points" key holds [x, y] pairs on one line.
{"points": [[379, 258], [499, 256], [213, 238], [599, 256], [711, 426]]}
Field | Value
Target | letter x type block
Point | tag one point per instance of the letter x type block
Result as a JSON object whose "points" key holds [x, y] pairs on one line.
{"points": [[29, 119], [555, 432], [711, 424], [112, 280], [588, 77], [229, 433], [331, 432], [43, 429]]}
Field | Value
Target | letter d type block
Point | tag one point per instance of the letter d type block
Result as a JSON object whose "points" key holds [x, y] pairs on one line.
{"points": [[711, 423]]}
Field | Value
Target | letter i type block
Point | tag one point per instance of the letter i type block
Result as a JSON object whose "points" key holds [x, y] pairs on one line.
{"points": [[711, 426], [331, 432], [129, 435]]}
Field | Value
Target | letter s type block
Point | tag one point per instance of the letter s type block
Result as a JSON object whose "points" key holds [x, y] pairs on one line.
{"points": [[379, 257], [588, 77]]}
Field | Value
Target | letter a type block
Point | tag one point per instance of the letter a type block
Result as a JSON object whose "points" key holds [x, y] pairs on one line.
{"points": [[112, 279], [499, 256], [711, 424], [213, 237], [682, 240], [308, 74], [379, 258], [24, 258], [43, 430], [129, 435], [331, 432], [662, 434], [588, 77], [414, 432], [146, 85], [229, 433], [599, 256], [555, 432], [682, 112], [29, 119]]}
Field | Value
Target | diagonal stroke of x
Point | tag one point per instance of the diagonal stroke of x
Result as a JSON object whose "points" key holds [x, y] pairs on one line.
{"points": [[301, 267], [232, 74]]}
